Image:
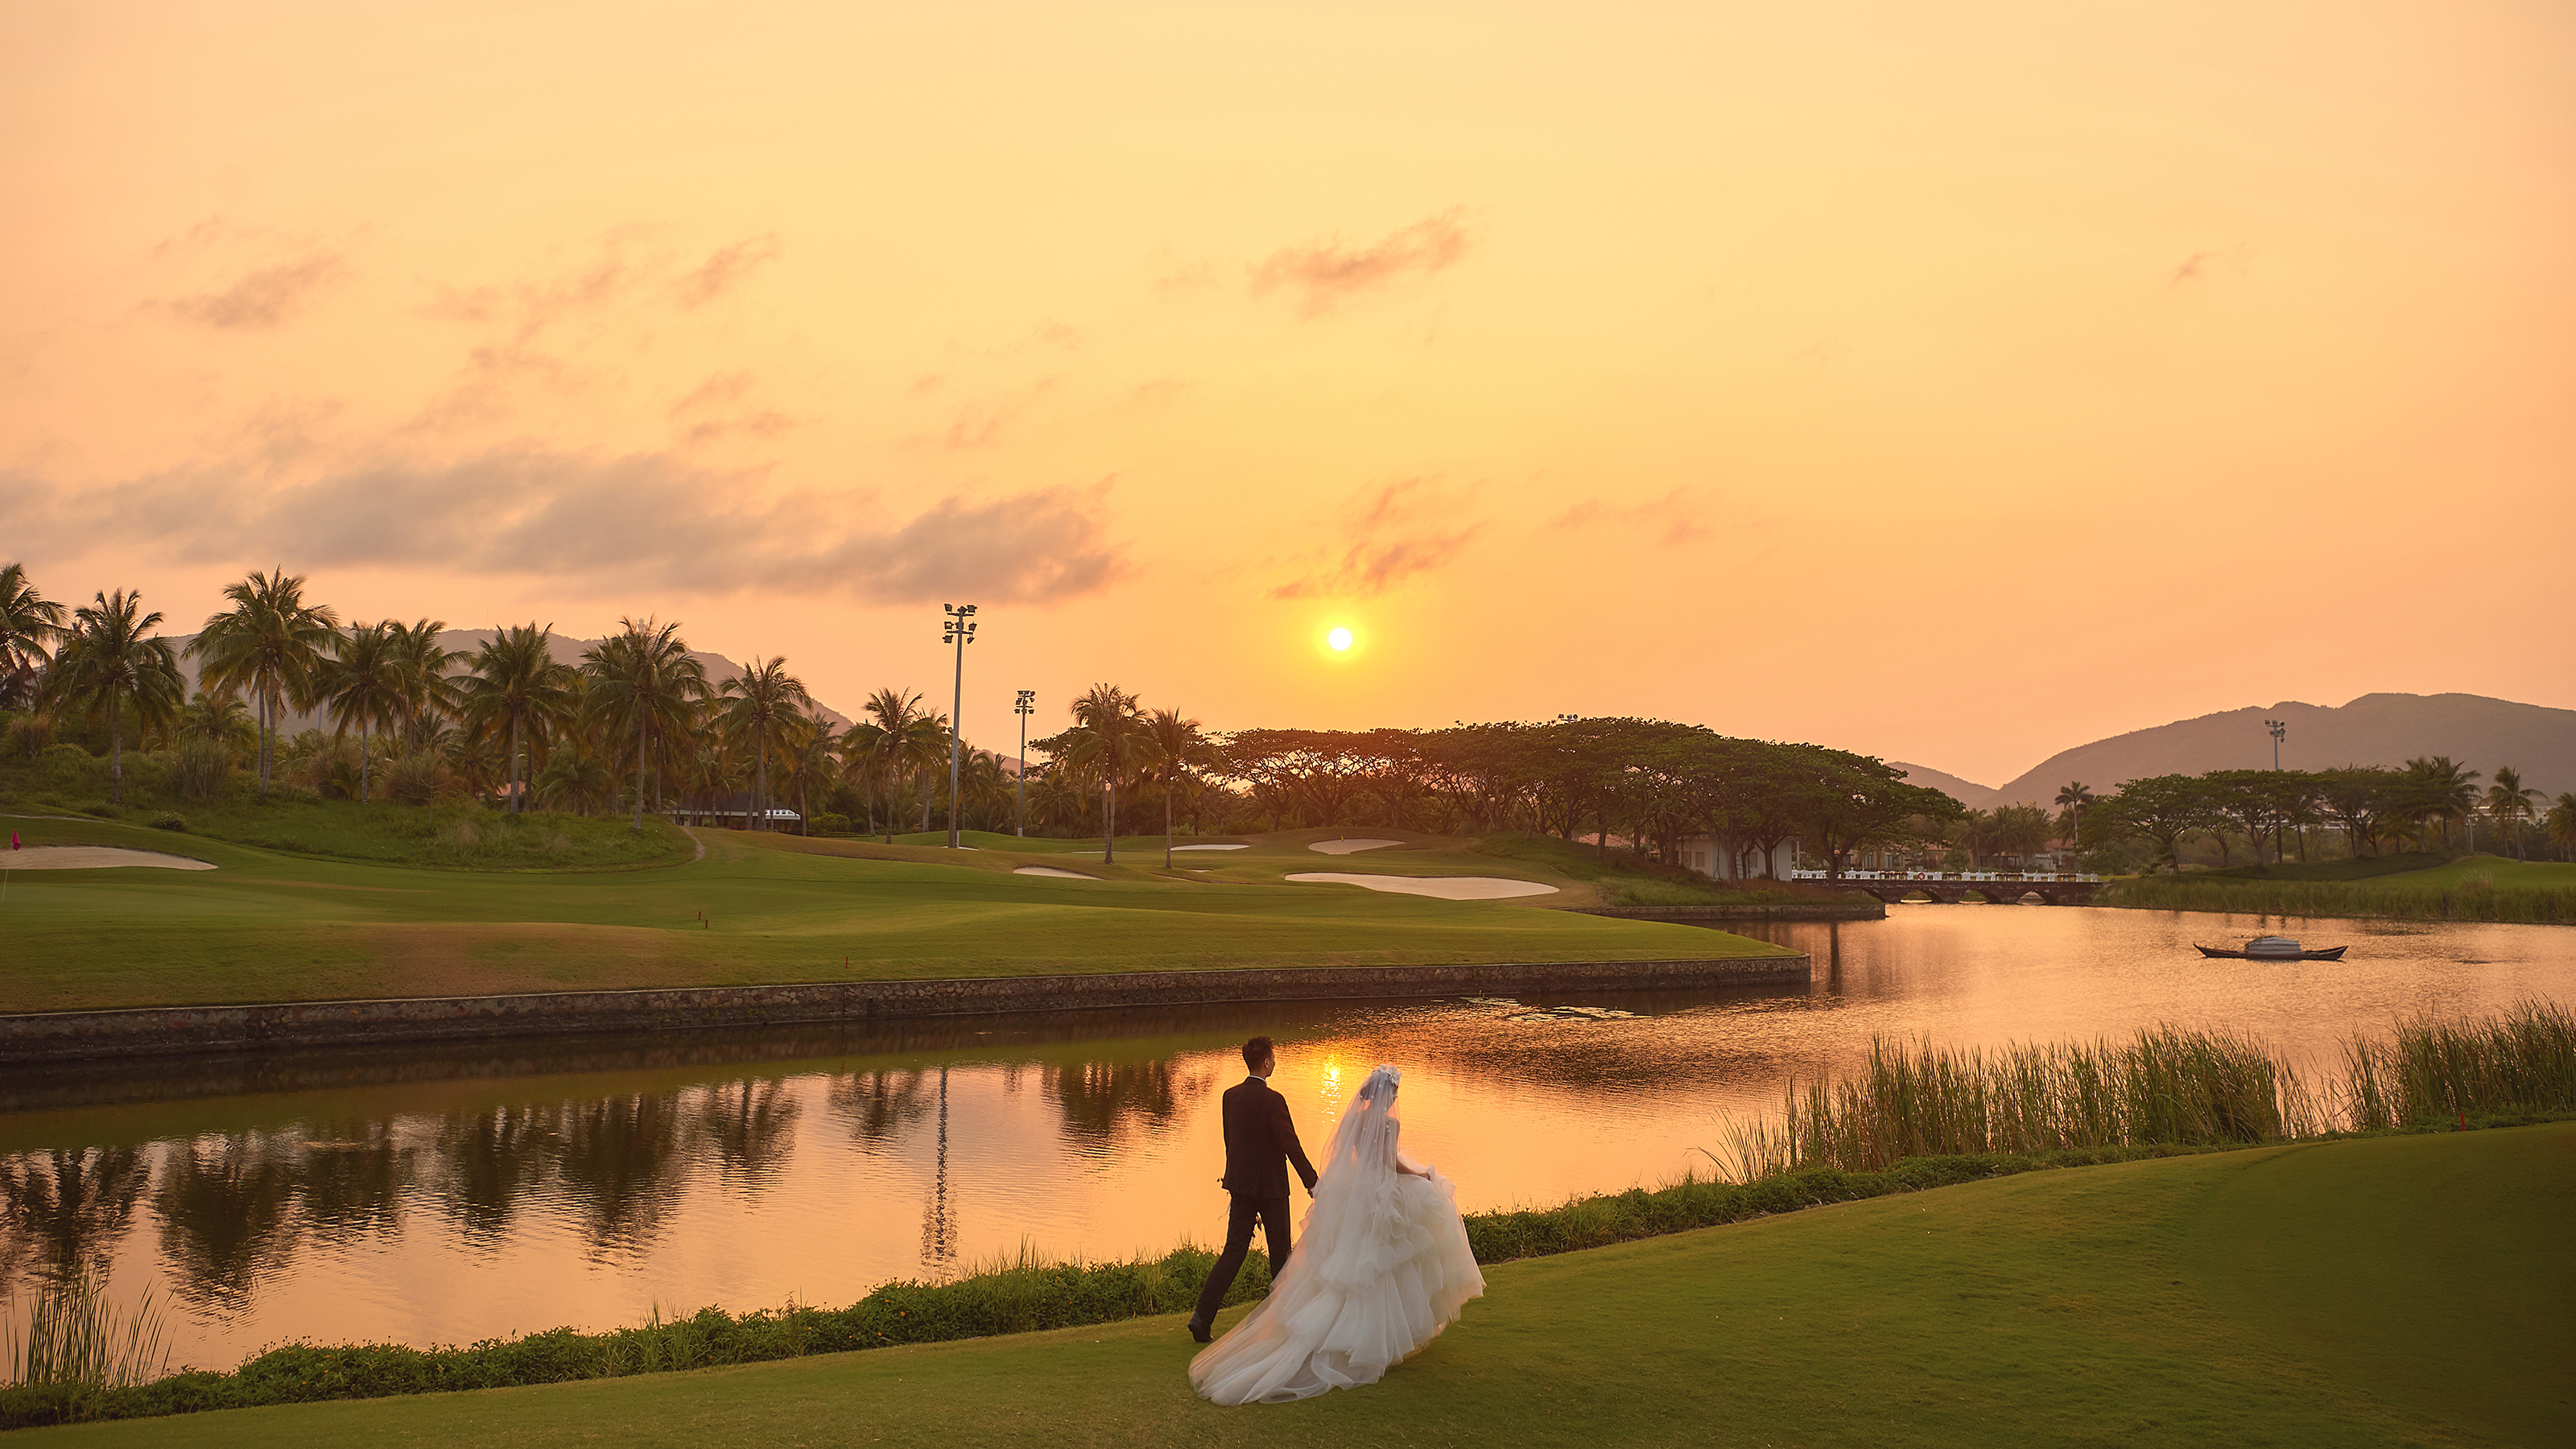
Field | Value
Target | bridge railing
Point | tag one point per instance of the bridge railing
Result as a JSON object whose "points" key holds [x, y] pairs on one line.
{"points": [[1955, 877]]}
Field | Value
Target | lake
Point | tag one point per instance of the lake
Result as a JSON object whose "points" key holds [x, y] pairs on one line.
{"points": [[444, 1195]]}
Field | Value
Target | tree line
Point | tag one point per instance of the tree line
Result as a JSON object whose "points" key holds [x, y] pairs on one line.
{"points": [[2432, 802]]}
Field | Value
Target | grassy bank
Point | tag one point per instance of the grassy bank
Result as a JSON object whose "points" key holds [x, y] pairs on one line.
{"points": [[2475, 890], [2330, 1293], [273, 926]]}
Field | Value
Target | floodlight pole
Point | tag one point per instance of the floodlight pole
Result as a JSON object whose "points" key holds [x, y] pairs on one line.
{"points": [[2278, 729], [958, 629], [1026, 706]]}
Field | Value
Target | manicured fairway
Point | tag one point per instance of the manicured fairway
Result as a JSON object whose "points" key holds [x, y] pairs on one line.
{"points": [[2502, 873], [267, 926], [2417, 1290]]}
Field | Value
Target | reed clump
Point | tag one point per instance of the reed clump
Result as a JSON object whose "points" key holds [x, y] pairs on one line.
{"points": [[68, 1344], [2468, 900], [2167, 1085], [2521, 1060]]}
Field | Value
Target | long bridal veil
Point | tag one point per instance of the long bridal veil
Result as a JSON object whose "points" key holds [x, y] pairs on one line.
{"points": [[1380, 1266]]}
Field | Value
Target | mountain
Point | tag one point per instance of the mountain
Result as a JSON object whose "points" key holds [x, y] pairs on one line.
{"points": [[565, 651], [1966, 792], [2376, 729]]}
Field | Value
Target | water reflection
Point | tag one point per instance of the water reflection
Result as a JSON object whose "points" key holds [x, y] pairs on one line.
{"points": [[66, 1209], [225, 1209], [449, 1194], [620, 1163], [486, 1160]]}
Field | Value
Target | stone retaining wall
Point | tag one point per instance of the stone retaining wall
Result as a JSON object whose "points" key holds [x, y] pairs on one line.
{"points": [[54, 1036], [1700, 915]]}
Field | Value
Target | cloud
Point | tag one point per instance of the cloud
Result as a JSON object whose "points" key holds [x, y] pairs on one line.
{"points": [[1675, 519], [726, 266], [1394, 532], [264, 298], [645, 521], [1328, 273]]}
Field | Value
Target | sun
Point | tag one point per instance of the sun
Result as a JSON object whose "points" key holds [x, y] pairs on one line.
{"points": [[1340, 639]]}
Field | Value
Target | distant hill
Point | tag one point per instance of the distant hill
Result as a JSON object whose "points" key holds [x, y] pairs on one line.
{"points": [[565, 650], [1966, 792], [2376, 729]]}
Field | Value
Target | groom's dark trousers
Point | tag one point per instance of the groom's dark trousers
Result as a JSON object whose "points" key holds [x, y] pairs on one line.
{"points": [[1260, 1143]]}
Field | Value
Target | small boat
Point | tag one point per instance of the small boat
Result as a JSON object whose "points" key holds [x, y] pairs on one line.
{"points": [[2271, 948]]}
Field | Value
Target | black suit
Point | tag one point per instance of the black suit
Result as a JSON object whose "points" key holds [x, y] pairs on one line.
{"points": [[1260, 1143]]}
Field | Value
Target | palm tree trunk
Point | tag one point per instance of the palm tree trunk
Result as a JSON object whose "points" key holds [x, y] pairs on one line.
{"points": [[115, 752], [1167, 825], [1109, 825], [365, 769], [514, 764], [639, 773], [760, 801]]}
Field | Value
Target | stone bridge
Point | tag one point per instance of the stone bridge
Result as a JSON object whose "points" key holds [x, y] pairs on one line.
{"points": [[1950, 887]]}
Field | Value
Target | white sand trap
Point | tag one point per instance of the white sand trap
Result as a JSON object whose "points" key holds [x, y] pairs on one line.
{"points": [[1446, 887], [92, 857], [1211, 847], [1348, 847], [1051, 870]]}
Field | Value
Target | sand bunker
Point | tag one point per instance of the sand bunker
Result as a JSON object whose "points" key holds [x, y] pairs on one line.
{"points": [[1446, 887], [1346, 847], [92, 857], [1051, 870], [1211, 847]]}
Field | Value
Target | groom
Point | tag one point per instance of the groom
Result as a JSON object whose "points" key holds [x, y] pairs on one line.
{"points": [[1260, 1142]]}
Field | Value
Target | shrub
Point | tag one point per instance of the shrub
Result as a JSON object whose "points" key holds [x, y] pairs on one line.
{"points": [[170, 820], [200, 770], [420, 778], [828, 824]]}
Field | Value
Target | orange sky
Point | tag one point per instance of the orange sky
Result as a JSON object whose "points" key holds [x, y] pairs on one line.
{"points": [[1951, 384]]}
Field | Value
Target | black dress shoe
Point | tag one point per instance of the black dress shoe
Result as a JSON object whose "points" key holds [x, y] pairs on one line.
{"points": [[1199, 1331]]}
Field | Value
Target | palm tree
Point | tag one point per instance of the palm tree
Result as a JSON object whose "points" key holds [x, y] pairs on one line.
{"points": [[923, 747], [428, 689], [1104, 744], [110, 660], [2072, 798], [267, 645], [222, 718], [364, 683], [2439, 789], [644, 679], [29, 625], [893, 713], [515, 687], [812, 753], [757, 702], [2562, 823], [1173, 747], [2509, 803], [859, 747]]}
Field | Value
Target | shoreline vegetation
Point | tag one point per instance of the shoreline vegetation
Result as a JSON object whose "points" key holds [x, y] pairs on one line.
{"points": [[2475, 890], [1919, 1117]]}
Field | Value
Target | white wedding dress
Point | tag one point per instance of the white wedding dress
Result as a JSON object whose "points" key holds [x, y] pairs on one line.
{"points": [[1379, 1267]]}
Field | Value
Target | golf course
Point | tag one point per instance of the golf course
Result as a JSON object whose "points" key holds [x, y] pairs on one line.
{"points": [[729, 908], [2391, 1290]]}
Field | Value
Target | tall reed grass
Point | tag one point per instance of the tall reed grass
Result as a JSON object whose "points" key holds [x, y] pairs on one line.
{"points": [[2188, 1088], [2523, 1060], [68, 1341], [2469, 900], [2166, 1085]]}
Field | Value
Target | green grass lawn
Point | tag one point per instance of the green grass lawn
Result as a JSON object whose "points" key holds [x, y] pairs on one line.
{"points": [[270, 925], [2502, 872], [2404, 1290]]}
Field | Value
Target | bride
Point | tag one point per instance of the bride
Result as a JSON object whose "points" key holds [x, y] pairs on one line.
{"points": [[1380, 1267]]}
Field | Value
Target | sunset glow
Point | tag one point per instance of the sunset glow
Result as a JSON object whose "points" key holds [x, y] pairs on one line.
{"points": [[1909, 363]]}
